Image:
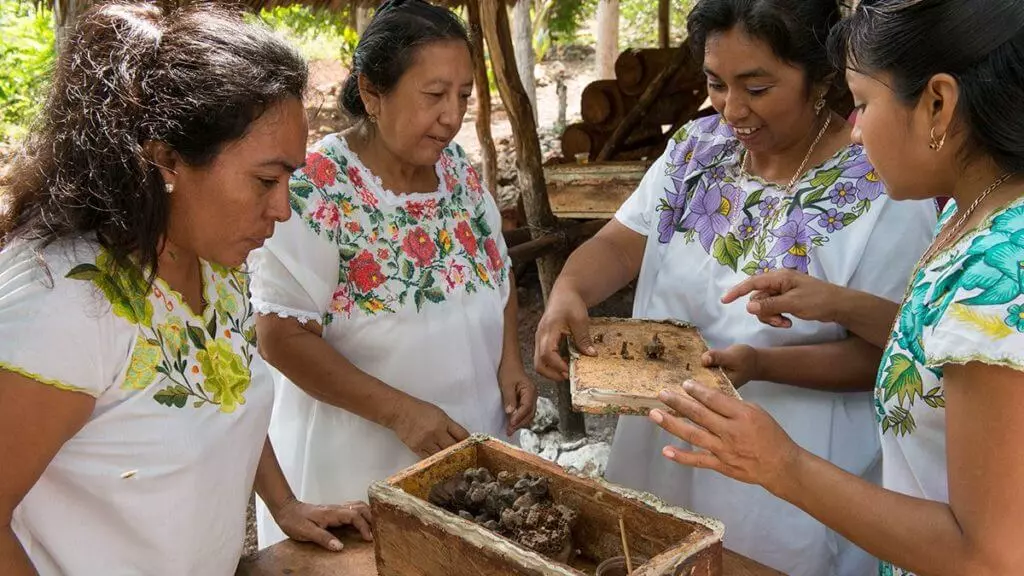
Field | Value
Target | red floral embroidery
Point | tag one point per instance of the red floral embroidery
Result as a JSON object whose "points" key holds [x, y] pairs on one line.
{"points": [[422, 210], [473, 182], [327, 214], [360, 185], [493, 256], [365, 272], [341, 301], [465, 236], [320, 169], [383, 254], [419, 246], [353, 226], [455, 275]]}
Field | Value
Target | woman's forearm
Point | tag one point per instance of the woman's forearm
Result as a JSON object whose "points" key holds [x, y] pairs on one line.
{"points": [[271, 484], [604, 264], [13, 560], [866, 315], [916, 534], [323, 373], [847, 365]]}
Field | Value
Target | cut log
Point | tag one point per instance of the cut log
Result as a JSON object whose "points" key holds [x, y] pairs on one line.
{"points": [[589, 139], [601, 103], [636, 69]]}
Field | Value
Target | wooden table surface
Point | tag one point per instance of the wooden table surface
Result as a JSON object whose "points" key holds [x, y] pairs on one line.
{"points": [[294, 558]]}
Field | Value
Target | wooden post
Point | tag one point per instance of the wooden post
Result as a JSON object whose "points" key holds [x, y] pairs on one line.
{"points": [[524, 131], [664, 22], [607, 38], [651, 94], [522, 41], [483, 99], [362, 16], [531, 175]]}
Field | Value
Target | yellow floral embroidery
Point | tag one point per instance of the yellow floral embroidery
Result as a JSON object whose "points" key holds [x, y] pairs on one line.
{"points": [[991, 326], [173, 334], [227, 377], [142, 370]]}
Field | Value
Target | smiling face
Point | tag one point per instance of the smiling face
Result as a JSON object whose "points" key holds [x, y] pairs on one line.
{"points": [[226, 209], [766, 101], [422, 114]]}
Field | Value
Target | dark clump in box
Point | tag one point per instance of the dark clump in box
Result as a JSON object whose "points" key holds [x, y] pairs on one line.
{"points": [[517, 507]]}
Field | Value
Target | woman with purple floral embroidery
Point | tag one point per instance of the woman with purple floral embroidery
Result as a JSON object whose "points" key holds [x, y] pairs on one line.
{"points": [[387, 302], [773, 182]]}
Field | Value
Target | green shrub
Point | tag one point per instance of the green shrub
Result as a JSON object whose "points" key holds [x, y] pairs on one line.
{"points": [[26, 56], [318, 34]]}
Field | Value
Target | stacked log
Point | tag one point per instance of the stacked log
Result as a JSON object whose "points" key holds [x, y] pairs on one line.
{"points": [[605, 103]]}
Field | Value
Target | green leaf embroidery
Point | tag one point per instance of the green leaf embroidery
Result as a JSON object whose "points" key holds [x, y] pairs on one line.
{"points": [[935, 398], [813, 197], [301, 189], [418, 298], [826, 178], [175, 396], [727, 250], [347, 251], [197, 336], [84, 272], [902, 380], [751, 268], [407, 269], [849, 218], [434, 294], [480, 225], [754, 199], [426, 279], [899, 420], [211, 327]]}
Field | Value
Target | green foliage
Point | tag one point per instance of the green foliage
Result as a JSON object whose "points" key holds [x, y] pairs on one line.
{"points": [[566, 17], [318, 34], [638, 22], [27, 53]]}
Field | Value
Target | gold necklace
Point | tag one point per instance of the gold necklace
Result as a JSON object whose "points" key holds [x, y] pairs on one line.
{"points": [[807, 158], [952, 231]]}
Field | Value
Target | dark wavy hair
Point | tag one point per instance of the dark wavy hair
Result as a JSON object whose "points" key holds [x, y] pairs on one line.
{"points": [[796, 31], [388, 46], [978, 42], [195, 79]]}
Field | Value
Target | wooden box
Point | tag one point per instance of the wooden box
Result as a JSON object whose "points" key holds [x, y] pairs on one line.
{"points": [[624, 379], [416, 538]]}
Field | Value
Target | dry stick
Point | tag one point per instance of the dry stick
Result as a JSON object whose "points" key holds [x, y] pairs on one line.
{"points": [[651, 94], [625, 546]]}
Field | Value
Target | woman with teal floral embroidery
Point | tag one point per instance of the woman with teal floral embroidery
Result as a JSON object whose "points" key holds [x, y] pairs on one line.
{"points": [[133, 406], [772, 183], [949, 397], [387, 302]]}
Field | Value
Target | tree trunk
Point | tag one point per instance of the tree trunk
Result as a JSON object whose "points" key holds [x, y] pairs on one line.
{"points": [[522, 40], [65, 14], [483, 99], [607, 38], [362, 16], [664, 22]]}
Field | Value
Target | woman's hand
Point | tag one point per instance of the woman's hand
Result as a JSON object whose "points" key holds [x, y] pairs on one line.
{"points": [[780, 292], [519, 398], [734, 438], [566, 315], [309, 522], [740, 363], [424, 427]]}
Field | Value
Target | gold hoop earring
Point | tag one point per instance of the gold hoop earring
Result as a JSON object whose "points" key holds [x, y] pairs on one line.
{"points": [[937, 143]]}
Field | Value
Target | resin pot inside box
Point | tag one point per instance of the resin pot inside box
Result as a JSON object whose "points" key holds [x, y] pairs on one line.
{"points": [[416, 538]]}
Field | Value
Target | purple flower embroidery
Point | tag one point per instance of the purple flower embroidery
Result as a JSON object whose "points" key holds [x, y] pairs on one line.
{"points": [[764, 266], [706, 155], [768, 206], [844, 193], [711, 211], [869, 186], [794, 241], [717, 174], [681, 153], [714, 125], [749, 227], [672, 208], [831, 220]]}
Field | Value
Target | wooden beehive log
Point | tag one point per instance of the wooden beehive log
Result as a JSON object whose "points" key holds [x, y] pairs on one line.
{"points": [[602, 103], [588, 139], [636, 69]]}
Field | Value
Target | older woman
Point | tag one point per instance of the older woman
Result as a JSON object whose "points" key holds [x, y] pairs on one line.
{"points": [[133, 406], [388, 304], [949, 397], [772, 182]]}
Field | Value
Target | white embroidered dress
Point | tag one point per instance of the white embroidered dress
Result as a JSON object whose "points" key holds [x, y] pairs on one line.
{"points": [[708, 229], [158, 480], [410, 288]]}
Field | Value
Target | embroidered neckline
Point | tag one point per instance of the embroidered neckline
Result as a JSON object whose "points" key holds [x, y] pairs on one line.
{"points": [[378, 184]]}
